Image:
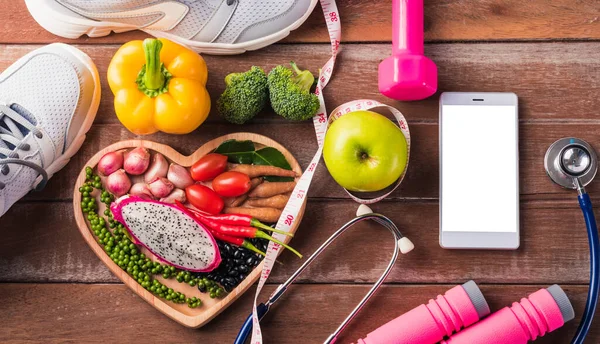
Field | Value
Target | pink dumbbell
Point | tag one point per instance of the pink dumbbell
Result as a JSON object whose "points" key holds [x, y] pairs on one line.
{"points": [[459, 307], [542, 312], [407, 74]]}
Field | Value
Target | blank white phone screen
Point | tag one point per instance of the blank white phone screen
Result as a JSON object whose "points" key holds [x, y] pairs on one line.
{"points": [[479, 168]]}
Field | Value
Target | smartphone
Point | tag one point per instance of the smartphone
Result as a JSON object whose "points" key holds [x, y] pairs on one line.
{"points": [[479, 170]]}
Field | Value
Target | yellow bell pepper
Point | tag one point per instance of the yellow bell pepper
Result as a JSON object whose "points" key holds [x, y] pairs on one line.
{"points": [[159, 85]]}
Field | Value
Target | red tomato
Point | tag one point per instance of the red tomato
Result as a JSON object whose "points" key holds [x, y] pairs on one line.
{"points": [[208, 167], [231, 184], [203, 198]]}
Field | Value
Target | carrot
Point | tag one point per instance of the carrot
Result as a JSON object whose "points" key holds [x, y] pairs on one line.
{"points": [[270, 215], [237, 201], [256, 182], [261, 170], [277, 201], [271, 189]]}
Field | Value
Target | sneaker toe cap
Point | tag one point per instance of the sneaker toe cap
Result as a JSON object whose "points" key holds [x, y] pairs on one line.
{"points": [[89, 88]]}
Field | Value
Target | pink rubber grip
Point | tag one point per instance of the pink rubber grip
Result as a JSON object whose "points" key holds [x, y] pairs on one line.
{"points": [[407, 26], [525, 321], [429, 324]]}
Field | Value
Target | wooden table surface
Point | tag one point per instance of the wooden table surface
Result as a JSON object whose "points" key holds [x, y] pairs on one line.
{"points": [[54, 289]]}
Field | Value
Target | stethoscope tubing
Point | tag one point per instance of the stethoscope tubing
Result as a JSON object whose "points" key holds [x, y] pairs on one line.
{"points": [[593, 291], [582, 330], [263, 308], [575, 171]]}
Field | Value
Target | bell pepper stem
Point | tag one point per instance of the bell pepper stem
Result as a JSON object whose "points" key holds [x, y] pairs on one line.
{"points": [[154, 78]]}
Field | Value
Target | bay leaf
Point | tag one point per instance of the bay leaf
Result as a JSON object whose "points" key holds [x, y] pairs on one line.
{"points": [[239, 152], [272, 157]]}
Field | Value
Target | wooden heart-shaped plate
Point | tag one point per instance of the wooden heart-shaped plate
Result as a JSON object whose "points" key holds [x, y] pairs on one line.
{"points": [[191, 317]]}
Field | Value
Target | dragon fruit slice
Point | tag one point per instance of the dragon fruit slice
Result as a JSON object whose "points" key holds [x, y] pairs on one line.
{"points": [[172, 235]]}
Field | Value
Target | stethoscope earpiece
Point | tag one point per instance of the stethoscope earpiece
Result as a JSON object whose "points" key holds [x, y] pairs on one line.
{"points": [[404, 244]]}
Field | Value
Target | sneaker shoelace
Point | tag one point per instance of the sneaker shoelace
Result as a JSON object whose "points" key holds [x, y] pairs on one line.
{"points": [[13, 129]]}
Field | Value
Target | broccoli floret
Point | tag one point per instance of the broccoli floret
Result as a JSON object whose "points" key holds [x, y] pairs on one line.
{"points": [[245, 96], [290, 93]]}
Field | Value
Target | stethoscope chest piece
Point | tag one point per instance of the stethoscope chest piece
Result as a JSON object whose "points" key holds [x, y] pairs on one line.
{"points": [[570, 162]]}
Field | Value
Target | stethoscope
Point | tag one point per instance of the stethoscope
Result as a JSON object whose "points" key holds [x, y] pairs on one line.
{"points": [[402, 244], [572, 163]]}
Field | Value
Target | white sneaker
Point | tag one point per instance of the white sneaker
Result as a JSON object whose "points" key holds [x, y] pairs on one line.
{"points": [[210, 26], [48, 101]]}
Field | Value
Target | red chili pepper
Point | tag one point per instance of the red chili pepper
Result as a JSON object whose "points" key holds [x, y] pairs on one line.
{"points": [[241, 242], [235, 219], [237, 231], [217, 228], [241, 232]]}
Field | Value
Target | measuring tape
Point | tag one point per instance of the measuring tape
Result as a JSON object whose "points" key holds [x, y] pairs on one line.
{"points": [[321, 122]]}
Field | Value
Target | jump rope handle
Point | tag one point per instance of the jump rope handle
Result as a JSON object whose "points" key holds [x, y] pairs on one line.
{"points": [[592, 301], [247, 327]]}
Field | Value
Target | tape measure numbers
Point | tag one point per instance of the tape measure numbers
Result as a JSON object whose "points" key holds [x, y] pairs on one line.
{"points": [[321, 122]]}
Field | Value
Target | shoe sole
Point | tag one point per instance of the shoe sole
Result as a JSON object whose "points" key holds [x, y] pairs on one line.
{"points": [[73, 27], [74, 147]]}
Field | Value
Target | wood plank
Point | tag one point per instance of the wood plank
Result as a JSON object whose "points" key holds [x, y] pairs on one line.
{"points": [[41, 243], [554, 81], [422, 177], [368, 21], [59, 313]]}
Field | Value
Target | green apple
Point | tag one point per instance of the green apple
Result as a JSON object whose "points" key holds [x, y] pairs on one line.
{"points": [[365, 151]]}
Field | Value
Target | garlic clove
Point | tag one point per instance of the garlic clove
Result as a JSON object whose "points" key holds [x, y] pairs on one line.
{"points": [[179, 176], [176, 195], [141, 190], [158, 168], [161, 187]]}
